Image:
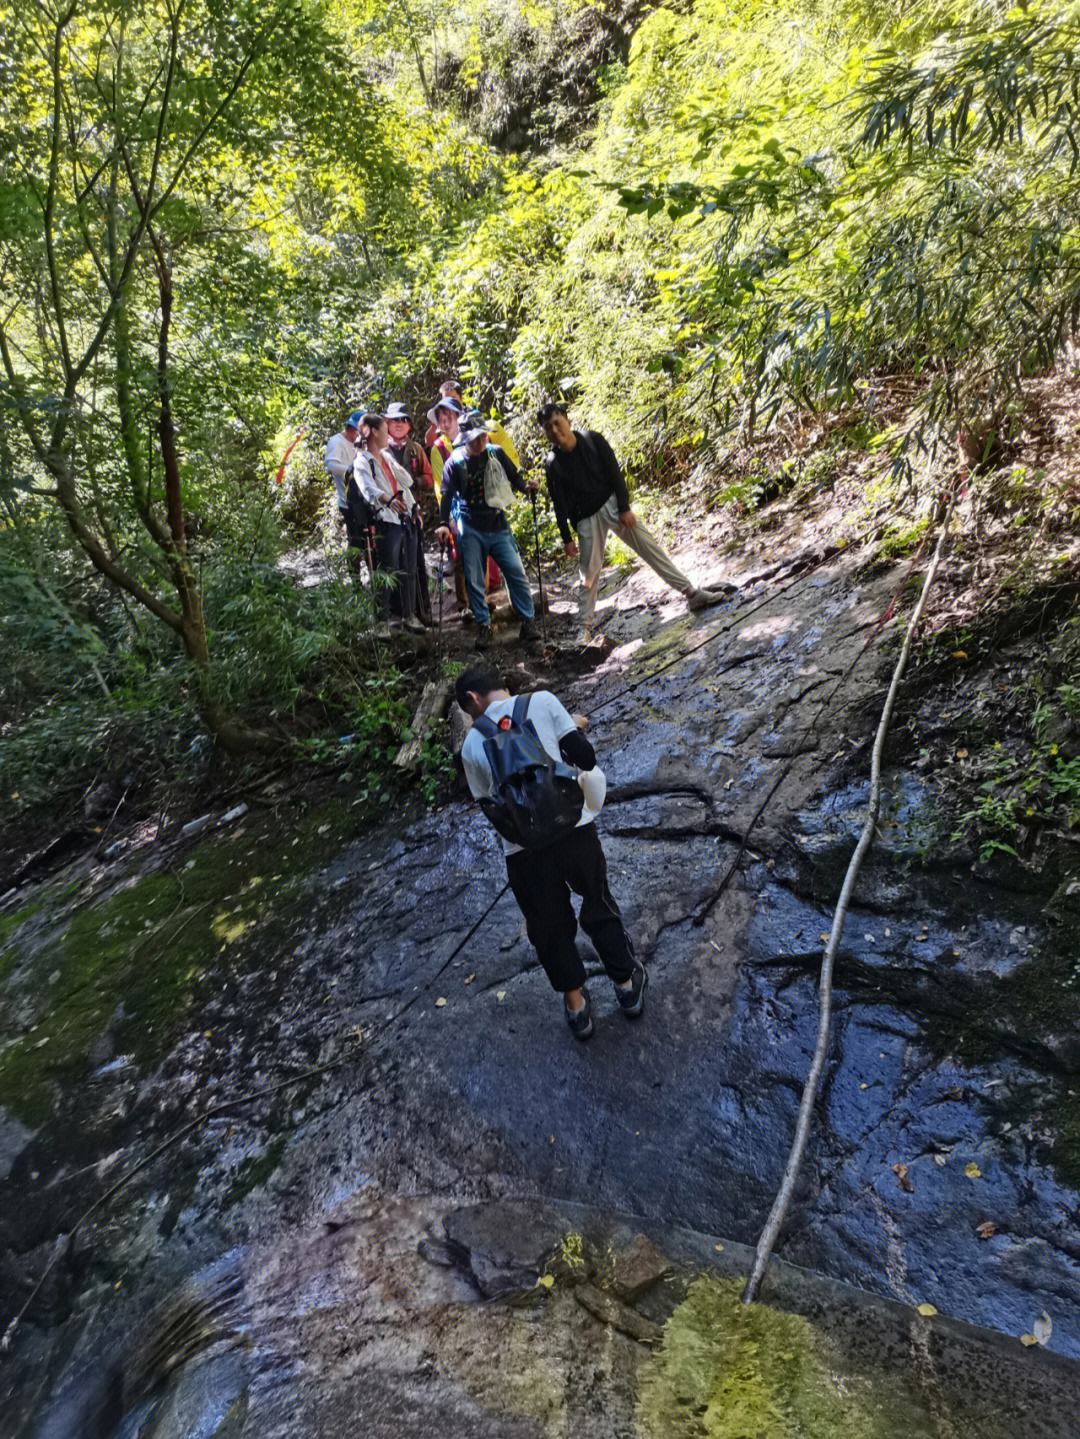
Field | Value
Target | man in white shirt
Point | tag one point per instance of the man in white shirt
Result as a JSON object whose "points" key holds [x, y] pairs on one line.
{"points": [[338, 460], [542, 879]]}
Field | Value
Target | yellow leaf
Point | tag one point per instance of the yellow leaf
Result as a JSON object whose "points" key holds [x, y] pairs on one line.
{"points": [[1027, 1340], [546, 1281], [719, 1248], [972, 1170], [926, 1310], [959, 654], [440, 1002], [469, 978], [501, 995]]}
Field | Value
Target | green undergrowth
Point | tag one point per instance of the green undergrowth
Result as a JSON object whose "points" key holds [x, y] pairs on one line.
{"points": [[725, 1371], [129, 967]]}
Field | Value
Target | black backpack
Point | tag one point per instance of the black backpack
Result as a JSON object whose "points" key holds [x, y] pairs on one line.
{"points": [[536, 799]]}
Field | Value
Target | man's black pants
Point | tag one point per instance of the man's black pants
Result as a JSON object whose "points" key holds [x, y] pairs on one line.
{"points": [[542, 880]]}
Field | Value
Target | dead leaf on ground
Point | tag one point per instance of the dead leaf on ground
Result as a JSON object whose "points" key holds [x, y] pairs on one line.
{"points": [[901, 1172], [926, 1310], [972, 1170], [987, 1229], [440, 1002]]}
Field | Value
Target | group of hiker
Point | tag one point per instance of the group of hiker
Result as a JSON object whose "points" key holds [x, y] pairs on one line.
{"points": [[399, 497], [526, 760]]}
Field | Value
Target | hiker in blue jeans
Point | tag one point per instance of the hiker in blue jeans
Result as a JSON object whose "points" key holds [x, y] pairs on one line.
{"points": [[478, 484]]}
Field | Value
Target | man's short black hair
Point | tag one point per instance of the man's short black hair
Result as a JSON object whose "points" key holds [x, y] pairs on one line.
{"points": [[477, 680], [545, 412]]}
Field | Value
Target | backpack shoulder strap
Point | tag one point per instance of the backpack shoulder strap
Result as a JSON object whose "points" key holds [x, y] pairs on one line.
{"points": [[487, 727], [585, 437], [521, 709]]}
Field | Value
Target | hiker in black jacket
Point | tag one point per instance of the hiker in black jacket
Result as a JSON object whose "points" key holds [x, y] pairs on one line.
{"points": [[589, 493]]}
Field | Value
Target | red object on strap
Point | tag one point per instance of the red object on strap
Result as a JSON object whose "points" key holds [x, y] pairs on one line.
{"points": [[504, 723], [280, 476]]}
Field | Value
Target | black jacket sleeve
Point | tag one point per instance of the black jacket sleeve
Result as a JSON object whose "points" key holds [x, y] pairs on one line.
{"points": [[554, 484], [449, 489], [576, 750], [612, 469]]}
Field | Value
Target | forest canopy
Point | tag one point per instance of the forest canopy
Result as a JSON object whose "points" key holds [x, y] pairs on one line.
{"points": [[224, 226]]}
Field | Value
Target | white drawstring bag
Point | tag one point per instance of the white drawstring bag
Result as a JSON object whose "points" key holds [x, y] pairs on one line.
{"points": [[497, 491]]}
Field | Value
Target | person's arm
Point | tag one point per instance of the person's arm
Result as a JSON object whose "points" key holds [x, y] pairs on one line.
{"points": [[554, 485], [449, 489], [569, 730], [338, 467], [425, 479], [437, 467], [576, 750], [613, 471], [478, 774], [374, 486]]}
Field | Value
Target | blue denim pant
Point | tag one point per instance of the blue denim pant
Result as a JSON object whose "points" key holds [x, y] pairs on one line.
{"points": [[475, 547]]}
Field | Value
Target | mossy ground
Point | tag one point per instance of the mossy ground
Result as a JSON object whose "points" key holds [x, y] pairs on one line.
{"points": [[728, 1372], [130, 966]]}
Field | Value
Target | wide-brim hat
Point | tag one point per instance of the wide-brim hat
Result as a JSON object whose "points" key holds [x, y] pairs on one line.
{"points": [[445, 402], [398, 411]]}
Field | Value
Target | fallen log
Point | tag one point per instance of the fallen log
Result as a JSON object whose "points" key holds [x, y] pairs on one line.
{"points": [[432, 706]]}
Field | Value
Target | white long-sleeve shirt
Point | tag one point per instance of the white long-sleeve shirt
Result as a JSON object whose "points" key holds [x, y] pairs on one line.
{"points": [[338, 460], [377, 488]]}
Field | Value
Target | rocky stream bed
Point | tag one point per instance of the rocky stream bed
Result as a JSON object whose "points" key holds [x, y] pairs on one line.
{"points": [[433, 1232]]}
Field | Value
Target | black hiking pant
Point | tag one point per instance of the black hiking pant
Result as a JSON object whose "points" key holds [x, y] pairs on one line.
{"points": [[542, 881], [396, 552]]}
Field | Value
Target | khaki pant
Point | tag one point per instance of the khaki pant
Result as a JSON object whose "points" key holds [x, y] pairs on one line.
{"points": [[592, 535]]}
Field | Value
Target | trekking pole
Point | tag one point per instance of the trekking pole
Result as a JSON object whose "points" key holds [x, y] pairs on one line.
{"points": [[442, 582], [539, 571]]}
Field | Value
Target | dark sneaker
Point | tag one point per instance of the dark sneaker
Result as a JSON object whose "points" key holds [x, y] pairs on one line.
{"points": [[581, 1025], [632, 1000], [702, 599], [529, 630], [483, 636]]}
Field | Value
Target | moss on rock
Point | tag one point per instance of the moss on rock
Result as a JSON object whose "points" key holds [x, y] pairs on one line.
{"points": [[725, 1371], [128, 967]]}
